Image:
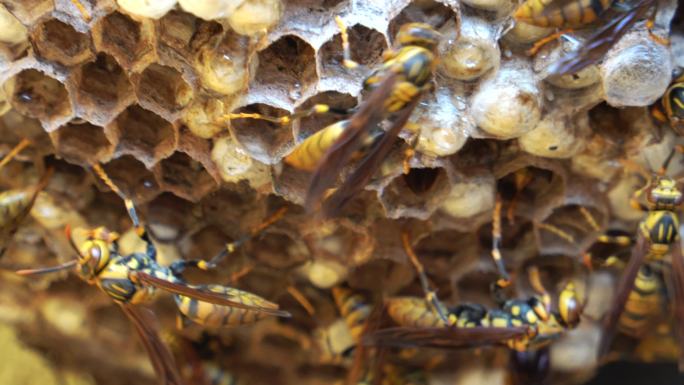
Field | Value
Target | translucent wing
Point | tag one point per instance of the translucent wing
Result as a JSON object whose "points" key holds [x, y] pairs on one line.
{"points": [[444, 337], [676, 289], [622, 292], [368, 116], [222, 299], [601, 41], [162, 360]]}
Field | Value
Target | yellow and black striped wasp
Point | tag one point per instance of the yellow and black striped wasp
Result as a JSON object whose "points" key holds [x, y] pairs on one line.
{"points": [[670, 108], [658, 236], [16, 204], [397, 86], [526, 326], [615, 18], [133, 279]]}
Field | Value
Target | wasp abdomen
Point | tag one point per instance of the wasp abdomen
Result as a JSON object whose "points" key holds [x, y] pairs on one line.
{"points": [[212, 315]]}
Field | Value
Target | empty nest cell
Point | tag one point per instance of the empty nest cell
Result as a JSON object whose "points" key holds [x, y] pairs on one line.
{"points": [[530, 191], [144, 134], [367, 46], [287, 69], [309, 125], [61, 43], [279, 249], [416, 194], [101, 90], [184, 176], [82, 143], [40, 96], [570, 229], [168, 217], [133, 178], [129, 41], [422, 11], [262, 140], [163, 90]]}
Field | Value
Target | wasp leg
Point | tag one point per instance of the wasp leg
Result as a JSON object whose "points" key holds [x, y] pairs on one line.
{"points": [[317, 109], [348, 62], [14, 152], [81, 8], [132, 213], [556, 231], [650, 23], [542, 42], [430, 295], [537, 286], [504, 279]]}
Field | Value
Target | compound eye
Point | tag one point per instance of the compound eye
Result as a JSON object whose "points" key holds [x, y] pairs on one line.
{"points": [[95, 252]]}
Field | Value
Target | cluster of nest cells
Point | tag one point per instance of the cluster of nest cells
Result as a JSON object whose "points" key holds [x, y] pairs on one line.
{"points": [[144, 88]]}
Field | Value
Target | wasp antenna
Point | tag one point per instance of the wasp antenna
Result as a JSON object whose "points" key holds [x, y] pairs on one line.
{"points": [[47, 270], [14, 152]]}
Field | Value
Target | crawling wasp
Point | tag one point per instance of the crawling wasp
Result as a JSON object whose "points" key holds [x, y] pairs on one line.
{"points": [[133, 279], [16, 204], [397, 85], [526, 326], [615, 18], [657, 236], [670, 108]]}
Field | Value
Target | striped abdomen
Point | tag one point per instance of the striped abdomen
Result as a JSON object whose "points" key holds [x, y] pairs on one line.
{"points": [[550, 13], [308, 154], [216, 316], [354, 309], [644, 301], [15, 205], [413, 312]]}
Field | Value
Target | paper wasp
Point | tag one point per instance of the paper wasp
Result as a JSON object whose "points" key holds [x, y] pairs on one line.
{"points": [[16, 204], [526, 326], [670, 109], [397, 85], [616, 17], [657, 236], [132, 279]]}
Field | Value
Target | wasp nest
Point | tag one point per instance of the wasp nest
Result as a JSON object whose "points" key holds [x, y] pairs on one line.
{"points": [[145, 88]]}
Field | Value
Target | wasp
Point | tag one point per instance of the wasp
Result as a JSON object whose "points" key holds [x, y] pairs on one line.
{"points": [[657, 236], [133, 279], [16, 204], [670, 108], [615, 18], [525, 326], [396, 87]]}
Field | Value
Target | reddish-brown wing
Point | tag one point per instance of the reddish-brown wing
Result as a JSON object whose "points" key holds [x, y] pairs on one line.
{"points": [[358, 180], [206, 295], [676, 289], [622, 292], [162, 360], [444, 337], [595, 47], [368, 116]]}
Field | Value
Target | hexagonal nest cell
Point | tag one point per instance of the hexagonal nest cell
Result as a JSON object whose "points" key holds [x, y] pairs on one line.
{"points": [[42, 97], [61, 43], [149, 100], [144, 134]]}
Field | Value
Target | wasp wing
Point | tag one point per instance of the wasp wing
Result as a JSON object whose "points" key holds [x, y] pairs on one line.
{"points": [[530, 367], [145, 324], [358, 180], [369, 115], [206, 295], [595, 47], [622, 292], [444, 337], [676, 289]]}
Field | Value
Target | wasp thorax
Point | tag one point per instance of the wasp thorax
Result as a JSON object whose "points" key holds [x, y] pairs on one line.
{"points": [[420, 34], [540, 306], [665, 193]]}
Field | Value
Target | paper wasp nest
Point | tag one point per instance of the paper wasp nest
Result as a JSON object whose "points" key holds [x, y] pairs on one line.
{"points": [[142, 87]]}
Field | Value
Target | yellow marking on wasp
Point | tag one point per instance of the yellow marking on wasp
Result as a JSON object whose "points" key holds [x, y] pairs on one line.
{"points": [[348, 62], [557, 231], [303, 301], [515, 310], [81, 8]]}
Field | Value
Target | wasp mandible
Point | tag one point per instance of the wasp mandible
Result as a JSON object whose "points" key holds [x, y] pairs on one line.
{"points": [[132, 279]]}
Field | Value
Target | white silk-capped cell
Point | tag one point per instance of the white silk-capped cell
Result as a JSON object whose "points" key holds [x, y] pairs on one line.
{"points": [[255, 16], [227, 69], [556, 136], [474, 52], [11, 30], [508, 104], [470, 198], [210, 9], [153, 9]]}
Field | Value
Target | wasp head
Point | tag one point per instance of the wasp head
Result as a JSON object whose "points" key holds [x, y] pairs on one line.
{"points": [[419, 34], [569, 306], [664, 194], [94, 252]]}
